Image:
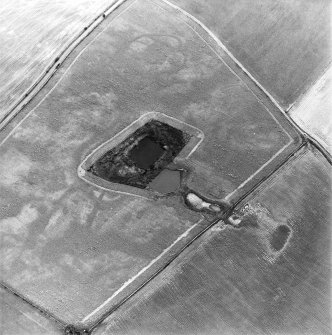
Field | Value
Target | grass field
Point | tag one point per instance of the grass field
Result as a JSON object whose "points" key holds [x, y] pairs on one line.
{"points": [[69, 246], [285, 45], [229, 281], [76, 249]]}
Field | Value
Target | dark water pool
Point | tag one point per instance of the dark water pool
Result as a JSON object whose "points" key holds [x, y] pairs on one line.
{"points": [[167, 181], [146, 153], [142, 156]]}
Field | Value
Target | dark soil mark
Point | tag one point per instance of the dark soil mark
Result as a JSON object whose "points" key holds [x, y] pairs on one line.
{"points": [[141, 157], [280, 237]]}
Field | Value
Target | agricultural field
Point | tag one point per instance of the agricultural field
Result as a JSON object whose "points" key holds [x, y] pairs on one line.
{"points": [[317, 99]]}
